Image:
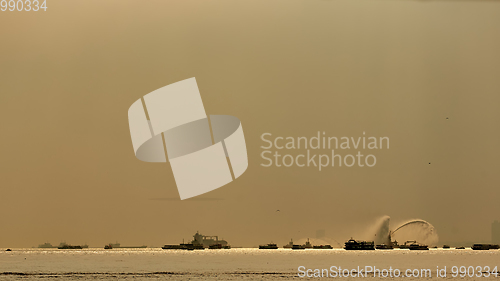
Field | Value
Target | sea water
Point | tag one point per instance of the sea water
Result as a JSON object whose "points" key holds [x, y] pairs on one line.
{"points": [[240, 264]]}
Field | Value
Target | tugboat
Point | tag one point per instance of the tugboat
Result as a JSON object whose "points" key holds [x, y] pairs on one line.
{"points": [[65, 246], [308, 244], [108, 247], [359, 245], [270, 246], [298, 247], [189, 247], [46, 245], [289, 245], [322, 247], [407, 244], [118, 245], [292, 246], [174, 247], [416, 246], [485, 247], [395, 244], [384, 247]]}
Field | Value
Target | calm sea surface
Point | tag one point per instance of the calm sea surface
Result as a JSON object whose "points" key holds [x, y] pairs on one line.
{"points": [[235, 264]]}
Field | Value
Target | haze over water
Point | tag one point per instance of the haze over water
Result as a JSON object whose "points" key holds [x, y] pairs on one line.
{"points": [[232, 264], [423, 73]]}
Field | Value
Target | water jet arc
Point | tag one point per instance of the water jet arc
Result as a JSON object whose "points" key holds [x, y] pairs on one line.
{"points": [[412, 222]]}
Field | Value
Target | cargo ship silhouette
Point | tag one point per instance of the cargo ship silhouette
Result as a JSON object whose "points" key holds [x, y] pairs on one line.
{"points": [[200, 242]]}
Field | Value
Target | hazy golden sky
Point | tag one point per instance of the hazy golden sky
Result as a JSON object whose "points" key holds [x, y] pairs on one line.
{"points": [[285, 67]]}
